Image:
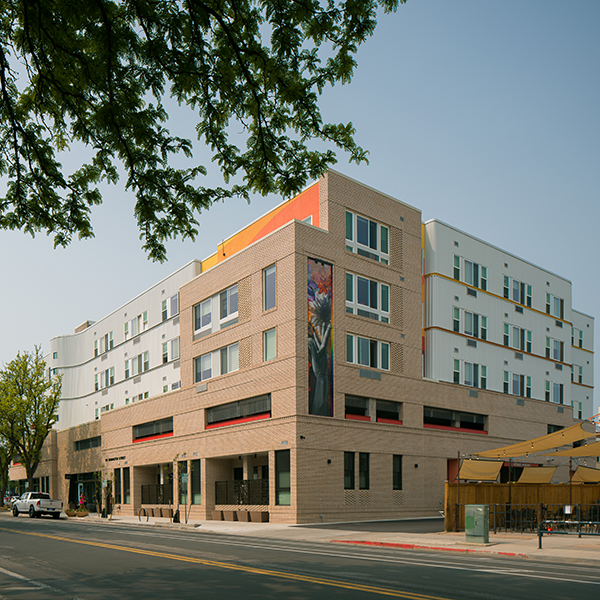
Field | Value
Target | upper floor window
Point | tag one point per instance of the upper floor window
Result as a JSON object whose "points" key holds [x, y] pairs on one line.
{"points": [[576, 374], [136, 325], [554, 392], [576, 337], [444, 418], [470, 272], [153, 429], [555, 306], [137, 364], [469, 323], [367, 298], [170, 307], [370, 353], [218, 362], [104, 343], [170, 350], [517, 337], [217, 312], [228, 301], [555, 349], [367, 238], [104, 379], [471, 374], [269, 288], [517, 291], [517, 384]]}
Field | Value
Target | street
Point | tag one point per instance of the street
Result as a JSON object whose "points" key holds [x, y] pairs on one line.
{"points": [[45, 559]]}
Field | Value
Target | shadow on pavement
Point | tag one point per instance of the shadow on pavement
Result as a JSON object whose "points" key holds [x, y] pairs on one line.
{"points": [[434, 525]]}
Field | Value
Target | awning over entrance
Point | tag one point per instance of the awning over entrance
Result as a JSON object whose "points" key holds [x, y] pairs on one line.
{"points": [[569, 435], [480, 470], [586, 475], [589, 450], [537, 475]]}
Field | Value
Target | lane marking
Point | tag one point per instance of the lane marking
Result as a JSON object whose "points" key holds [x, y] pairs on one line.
{"points": [[37, 585], [234, 567]]}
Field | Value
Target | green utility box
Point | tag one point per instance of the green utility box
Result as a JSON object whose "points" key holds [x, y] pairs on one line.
{"points": [[477, 523]]}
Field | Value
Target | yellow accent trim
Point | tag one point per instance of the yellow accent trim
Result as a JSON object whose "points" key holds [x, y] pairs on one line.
{"points": [[223, 565]]}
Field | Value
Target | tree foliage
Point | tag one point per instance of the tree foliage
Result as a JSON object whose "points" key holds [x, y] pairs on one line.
{"points": [[28, 403], [99, 72], [5, 458]]}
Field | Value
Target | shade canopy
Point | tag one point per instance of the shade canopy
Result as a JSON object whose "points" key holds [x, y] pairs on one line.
{"points": [[537, 475], [568, 435], [586, 475], [480, 470], [589, 450]]}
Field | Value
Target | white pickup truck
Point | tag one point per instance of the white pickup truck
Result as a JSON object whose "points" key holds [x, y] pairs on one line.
{"points": [[36, 504]]}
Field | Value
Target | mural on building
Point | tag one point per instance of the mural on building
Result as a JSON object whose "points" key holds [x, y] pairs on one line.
{"points": [[320, 348]]}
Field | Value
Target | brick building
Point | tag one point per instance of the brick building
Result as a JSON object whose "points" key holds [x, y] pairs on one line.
{"points": [[282, 375]]}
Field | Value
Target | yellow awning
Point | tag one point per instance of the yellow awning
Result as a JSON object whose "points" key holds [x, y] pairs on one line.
{"points": [[589, 450], [545, 442], [537, 475], [480, 470], [586, 475]]}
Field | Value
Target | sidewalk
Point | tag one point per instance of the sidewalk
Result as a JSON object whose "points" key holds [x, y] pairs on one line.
{"points": [[554, 547]]}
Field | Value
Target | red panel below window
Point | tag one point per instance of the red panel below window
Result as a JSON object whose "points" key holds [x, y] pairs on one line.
{"points": [[392, 421], [448, 428], [358, 417], [240, 420], [154, 437]]}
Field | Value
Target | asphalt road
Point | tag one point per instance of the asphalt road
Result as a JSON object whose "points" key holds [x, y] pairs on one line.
{"points": [[45, 559]]}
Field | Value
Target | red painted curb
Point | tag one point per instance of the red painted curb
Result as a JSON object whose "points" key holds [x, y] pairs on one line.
{"points": [[417, 547]]}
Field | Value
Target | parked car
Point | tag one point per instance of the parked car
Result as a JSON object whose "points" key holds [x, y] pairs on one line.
{"points": [[36, 504], [9, 497]]}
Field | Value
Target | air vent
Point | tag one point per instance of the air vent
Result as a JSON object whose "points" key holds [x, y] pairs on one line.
{"points": [[558, 324], [473, 393], [471, 292], [518, 356], [560, 409], [558, 367], [519, 309], [472, 343], [369, 374], [520, 402]]}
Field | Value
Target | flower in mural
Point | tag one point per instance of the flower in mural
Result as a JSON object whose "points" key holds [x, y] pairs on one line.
{"points": [[319, 338]]}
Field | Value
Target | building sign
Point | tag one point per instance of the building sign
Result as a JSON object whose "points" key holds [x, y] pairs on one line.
{"points": [[320, 347]]}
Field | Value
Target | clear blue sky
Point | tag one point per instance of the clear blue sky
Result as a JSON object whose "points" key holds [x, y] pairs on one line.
{"points": [[485, 115]]}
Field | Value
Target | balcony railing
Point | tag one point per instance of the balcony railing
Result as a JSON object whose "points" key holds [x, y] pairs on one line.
{"points": [[242, 492], [157, 494]]}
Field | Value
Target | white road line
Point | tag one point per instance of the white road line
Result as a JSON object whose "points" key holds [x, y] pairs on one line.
{"points": [[37, 585]]}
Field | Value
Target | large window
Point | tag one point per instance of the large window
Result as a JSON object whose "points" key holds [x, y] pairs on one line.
{"points": [[196, 481], [470, 373], [367, 238], [576, 337], [555, 306], [283, 495], [363, 471], [470, 272], [554, 392], [103, 344], [349, 470], [517, 384], [251, 409], [441, 418], [366, 352], [517, 337], [94, 442], [517, 291], [469, 323], [126, 486], [170, 307], [367, 298], [269, 288], [170, 350], [183, 480], [270, 344], [219, 362], [576, 374], [217, 312], [555, 349], [117, 486], [104, 379], [397, 472], [153, 430], [228, 302]]}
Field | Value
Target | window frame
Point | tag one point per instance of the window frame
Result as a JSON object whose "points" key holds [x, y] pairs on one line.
{"points": [[378, 293], [269, 344], [368, 348], [269, 287], [378, 249]]}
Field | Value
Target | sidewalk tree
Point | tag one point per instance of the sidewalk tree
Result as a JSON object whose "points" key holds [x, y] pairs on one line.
{"points": [[102, 74], [29, 400], [5, 458]]}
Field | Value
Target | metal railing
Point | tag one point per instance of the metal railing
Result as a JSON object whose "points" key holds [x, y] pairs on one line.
{"points": [[577, 528], [157, 494], [242, 492]]}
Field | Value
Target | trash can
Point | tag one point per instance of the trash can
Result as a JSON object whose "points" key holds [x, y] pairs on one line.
{"points": [[477, 523]]}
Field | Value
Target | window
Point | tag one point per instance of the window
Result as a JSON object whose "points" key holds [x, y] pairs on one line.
{"points": [[203, 368], [117, 486], [165, 353], [555, 306], [269, 344], [153, 429], [576, 374], [126, 327], [367, 298], [470, 272], [555, 349], [469, 323], [471, 374], [203, 315], [441, 418], [517, 291], [228, 301], [137, 324], [366, 352], [251, 409], [55, 355], [183, 481], [138, 364], [169, 307], [356, 406], [517, 384], [397, 472], [269, 288], [195, 480], [283, 494], [173, 347], [229, 359], [88, 443], [126, 486], [576, 337], [367, 238], [554, 392], [363, 471], [349, 470], [516, 337]]}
